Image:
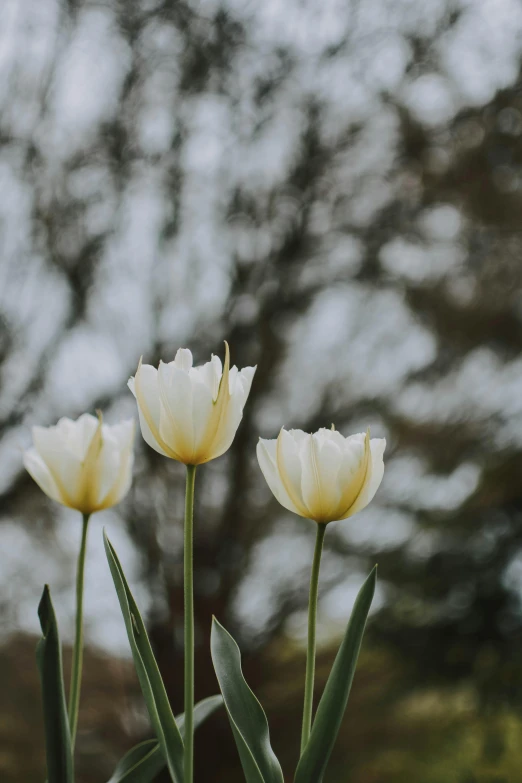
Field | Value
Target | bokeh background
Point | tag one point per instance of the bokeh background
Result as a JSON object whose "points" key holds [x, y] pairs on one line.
{"points": [[335, 187]]}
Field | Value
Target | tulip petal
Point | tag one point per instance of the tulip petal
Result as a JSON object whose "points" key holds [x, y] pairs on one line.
{"points": [[121, 440], [183, 359], [243, 385], [354, 471], [144, 386], [210, 374], [37, 468], [217, 430], [321, 459], [65, 467], [266, 456], [289, 466], [79, 434], [175, 391], [239, 387], [227, 429], [374, 477], [203, 411], [109, 469], [89, 486]]}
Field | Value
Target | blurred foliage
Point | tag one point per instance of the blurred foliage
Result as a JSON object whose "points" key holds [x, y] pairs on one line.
{"points": [[337, 190], [392, 731]]}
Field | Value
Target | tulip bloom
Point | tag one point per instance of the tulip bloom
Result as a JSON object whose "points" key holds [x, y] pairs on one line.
{"points": [[323, 476], [188, 413], [83, 464]]}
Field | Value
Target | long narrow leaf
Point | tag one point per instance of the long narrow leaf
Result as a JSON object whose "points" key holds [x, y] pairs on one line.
{"points": [[202, 710], [145, 761], [49, 660], [246, 715], [147, 670], [333, 702], [140, 765]]}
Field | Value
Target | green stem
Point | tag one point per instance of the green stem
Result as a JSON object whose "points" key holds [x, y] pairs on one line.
{"points": [[77, 659], [189, 625], [310, 653]]}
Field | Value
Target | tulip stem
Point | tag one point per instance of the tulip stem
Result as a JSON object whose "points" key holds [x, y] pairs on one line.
{"points": [[189, 625], [310, 653], [77, 658]]}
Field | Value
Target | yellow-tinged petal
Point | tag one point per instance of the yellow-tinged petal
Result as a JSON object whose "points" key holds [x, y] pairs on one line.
{"points": [[40, 472], [144, 408], [321, 458], [88, 490], [355, 487], [266, 455], [124, 477], [62, 462], [373, 477], [175, 391], [290, 470], [205, 448]]}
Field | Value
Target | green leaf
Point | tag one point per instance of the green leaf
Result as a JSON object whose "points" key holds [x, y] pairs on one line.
{"points": [[333, 702], [145, 761], [49, 660], [202, 710], [140, 765], [246, 715], [152, 687]]}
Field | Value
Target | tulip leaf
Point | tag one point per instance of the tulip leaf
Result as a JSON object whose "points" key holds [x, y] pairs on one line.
{"points": [[49, 659], [246, 715], [202, 710], [140, 765], [145, 761], [333, 702], [152, 686]]}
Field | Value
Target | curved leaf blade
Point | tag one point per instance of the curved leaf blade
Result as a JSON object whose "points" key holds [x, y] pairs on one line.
{"points": [[152, 686], [49, 659], [202, 710], [246, 715], [145, 761], [140, 765], [333, 702]]}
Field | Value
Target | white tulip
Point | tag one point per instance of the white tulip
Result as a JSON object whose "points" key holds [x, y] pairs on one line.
{"points": [[188, 413], [83, 464], [323, 476]]}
